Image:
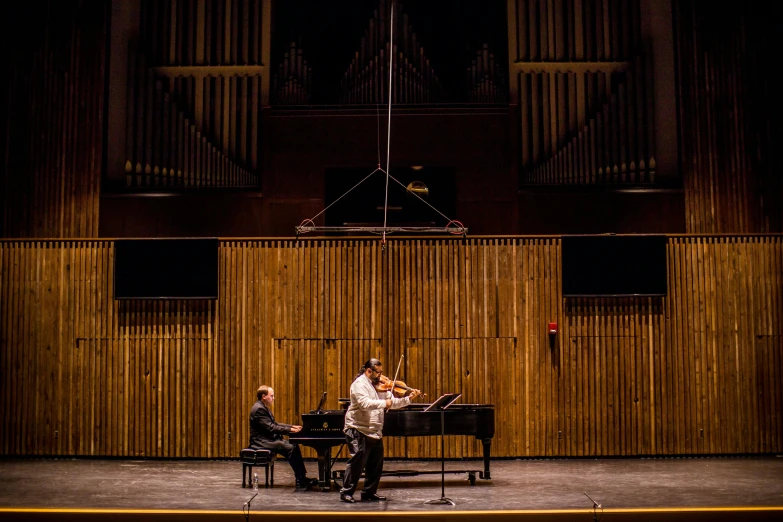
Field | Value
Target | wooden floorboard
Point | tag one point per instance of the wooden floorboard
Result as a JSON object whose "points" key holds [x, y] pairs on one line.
{"points": [[725, 488]]}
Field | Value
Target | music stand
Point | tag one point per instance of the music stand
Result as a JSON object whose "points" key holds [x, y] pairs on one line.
{"points": [[443, 402], [320, 408]]}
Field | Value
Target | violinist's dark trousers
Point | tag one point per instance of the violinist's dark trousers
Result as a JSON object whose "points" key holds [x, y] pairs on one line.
{"points": [[366, 455], [290, 452]]}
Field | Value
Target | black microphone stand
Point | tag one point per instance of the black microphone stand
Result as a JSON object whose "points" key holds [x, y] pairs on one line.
{"points": [[246, 507], [596, 507]]}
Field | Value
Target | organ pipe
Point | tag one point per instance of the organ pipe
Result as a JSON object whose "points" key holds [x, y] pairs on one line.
{"points": [[414, 79], [195, 77]]}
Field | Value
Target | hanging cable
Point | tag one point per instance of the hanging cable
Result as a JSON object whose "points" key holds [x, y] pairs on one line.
{"points": [[388, 123], [453, 226], [341, 197], [420, 198]]}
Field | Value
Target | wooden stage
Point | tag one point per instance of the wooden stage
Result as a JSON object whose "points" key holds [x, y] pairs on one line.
{"points": [[692, 489]]}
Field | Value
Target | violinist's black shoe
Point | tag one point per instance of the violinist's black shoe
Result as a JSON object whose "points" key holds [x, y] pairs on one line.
{"points": [[306, 482], [347, 498], [372, 497]]}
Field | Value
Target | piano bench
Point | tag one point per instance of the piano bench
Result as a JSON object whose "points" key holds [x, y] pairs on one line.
{"points": [[257, 458]]}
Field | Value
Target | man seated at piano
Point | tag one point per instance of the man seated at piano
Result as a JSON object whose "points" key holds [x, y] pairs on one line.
{"points": [[265, 433], [363, 431]]}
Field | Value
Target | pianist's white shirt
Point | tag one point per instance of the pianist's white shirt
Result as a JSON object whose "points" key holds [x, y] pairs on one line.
{"points": [[365, 413]]}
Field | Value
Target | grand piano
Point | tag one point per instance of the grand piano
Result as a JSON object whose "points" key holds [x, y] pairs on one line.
{"points": [[323, 429]]}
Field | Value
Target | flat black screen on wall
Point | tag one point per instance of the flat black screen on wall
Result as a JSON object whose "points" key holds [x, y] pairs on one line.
{"points": [[181, 268], [614, 265]]}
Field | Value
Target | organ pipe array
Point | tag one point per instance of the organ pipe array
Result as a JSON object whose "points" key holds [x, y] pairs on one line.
{"points": [[581, 76], [166, 147], [293, 81], [195, 90], [616, 144], [367, 78], [485, 78]]}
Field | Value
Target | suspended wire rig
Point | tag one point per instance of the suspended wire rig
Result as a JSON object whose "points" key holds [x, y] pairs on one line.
{"points": [[452, 226]]}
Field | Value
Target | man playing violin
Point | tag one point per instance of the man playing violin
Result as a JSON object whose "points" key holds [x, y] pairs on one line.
{"points": [[363, 431]]}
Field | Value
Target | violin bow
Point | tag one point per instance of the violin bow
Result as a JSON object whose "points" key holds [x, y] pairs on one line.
{"points": [[396, 374]]}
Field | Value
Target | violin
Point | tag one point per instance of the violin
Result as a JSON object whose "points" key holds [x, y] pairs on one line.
{"points": [[400, 388]]}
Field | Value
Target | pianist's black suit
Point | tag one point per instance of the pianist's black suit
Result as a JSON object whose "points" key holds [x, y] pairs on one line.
{"points": [[265, 433]]}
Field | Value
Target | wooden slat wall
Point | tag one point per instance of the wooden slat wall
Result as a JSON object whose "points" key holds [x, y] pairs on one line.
{"points": [[697, 372], [51, 166], [728, 117]]}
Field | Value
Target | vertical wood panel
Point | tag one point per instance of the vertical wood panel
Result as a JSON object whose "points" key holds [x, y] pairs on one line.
{"points": [[55, 98], [725, 118], [695, 372]]}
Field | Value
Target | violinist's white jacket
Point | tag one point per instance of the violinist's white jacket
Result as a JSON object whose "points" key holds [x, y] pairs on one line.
{"points": [[368, 406]]}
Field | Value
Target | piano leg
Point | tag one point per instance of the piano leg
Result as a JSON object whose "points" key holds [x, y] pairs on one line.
{"points": [[324, 468], [487, 448]]}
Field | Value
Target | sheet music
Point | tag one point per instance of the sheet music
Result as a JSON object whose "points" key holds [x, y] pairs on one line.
{"points": [[443, 402], [321, 403]]}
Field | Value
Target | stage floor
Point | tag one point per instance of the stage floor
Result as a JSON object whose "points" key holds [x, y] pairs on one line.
{"points": [[656, 484]]}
